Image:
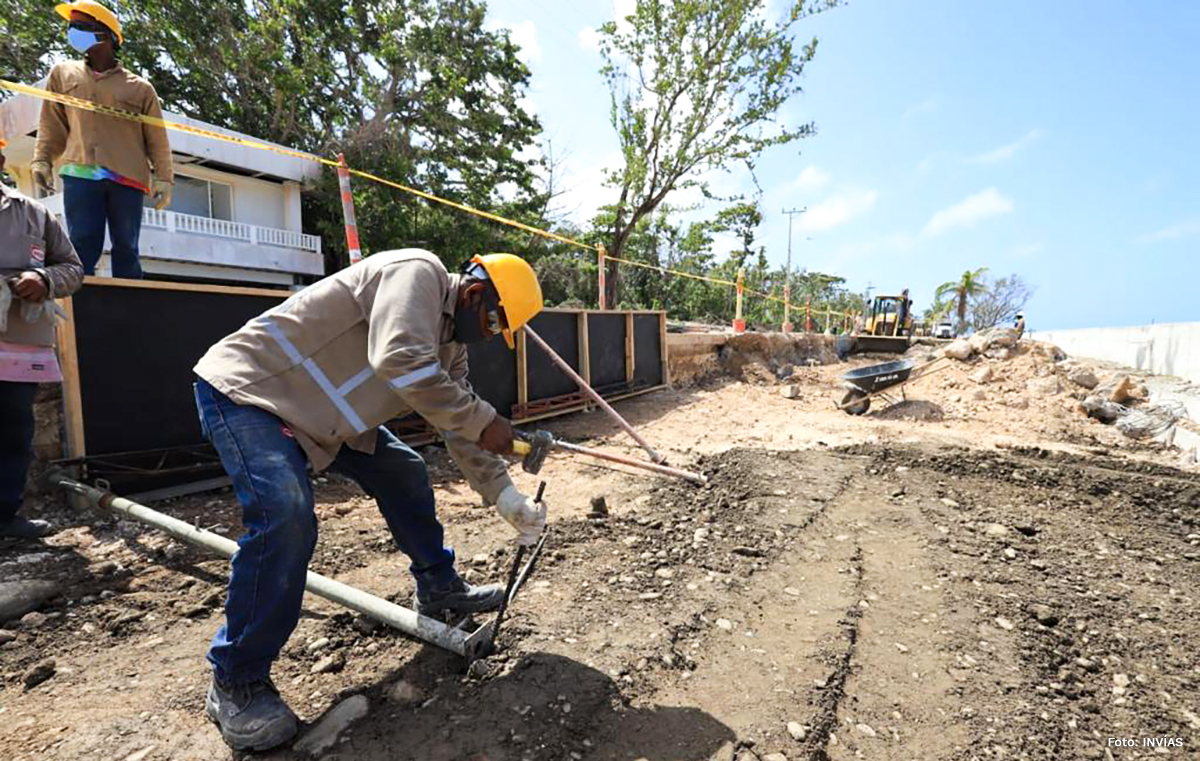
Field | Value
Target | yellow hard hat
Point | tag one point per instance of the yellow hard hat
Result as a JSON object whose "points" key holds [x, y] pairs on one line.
{"points": [[96, 11], [518, 288]]}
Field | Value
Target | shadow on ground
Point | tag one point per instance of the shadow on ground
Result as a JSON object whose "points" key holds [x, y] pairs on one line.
{"points": [[544, 706]]}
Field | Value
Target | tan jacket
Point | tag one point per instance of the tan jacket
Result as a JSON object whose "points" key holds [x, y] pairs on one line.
{"points": [[31, 238], [76, 136], [347, 354]]}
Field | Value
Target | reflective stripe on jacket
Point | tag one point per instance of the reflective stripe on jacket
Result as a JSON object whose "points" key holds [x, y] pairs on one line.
{"points": [[363, 346]]}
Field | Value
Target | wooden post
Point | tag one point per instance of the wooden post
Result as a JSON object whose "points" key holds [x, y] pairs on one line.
{"points": [[522, 371], [808, 315], [666, 354], [739, 325], [603, 297], [72, 395], [585, 356], [630, 358]]}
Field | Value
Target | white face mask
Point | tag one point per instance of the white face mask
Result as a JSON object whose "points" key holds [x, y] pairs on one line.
{"points": [[81, 40]]}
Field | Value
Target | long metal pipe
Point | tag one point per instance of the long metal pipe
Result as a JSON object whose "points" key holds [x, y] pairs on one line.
{"points": [[566, 368], [470, 645], [677, 472]]}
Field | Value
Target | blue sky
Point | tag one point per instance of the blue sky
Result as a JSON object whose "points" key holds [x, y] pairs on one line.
{"points": [[1057, 140]]}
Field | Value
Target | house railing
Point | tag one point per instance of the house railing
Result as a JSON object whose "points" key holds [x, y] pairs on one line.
{"points": [[173, 221]]}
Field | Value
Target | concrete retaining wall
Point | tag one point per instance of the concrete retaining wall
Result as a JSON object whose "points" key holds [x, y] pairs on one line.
{"points": [[1168, 349]]}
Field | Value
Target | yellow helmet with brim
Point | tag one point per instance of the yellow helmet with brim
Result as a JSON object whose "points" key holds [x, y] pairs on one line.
{"points": [[518, 288]]}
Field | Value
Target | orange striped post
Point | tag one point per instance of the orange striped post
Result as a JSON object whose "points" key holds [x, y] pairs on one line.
{"points": [[808, 315], [739, 325], [348, 211]]}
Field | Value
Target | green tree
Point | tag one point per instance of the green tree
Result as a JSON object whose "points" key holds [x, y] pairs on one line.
{"points": [[970, 284], [696, 85], [417, 91]]}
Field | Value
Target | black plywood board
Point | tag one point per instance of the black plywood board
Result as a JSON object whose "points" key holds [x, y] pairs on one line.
{"points": [[606, 348], [546, 379], [136, 349], [647, 350], [491, 371]]}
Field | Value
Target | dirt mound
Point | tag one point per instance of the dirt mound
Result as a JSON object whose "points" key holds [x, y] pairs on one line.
{"points": [[913, 409]]}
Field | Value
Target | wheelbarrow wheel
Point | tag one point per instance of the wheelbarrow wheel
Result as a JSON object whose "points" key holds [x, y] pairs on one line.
{"points": [[856, 402]]}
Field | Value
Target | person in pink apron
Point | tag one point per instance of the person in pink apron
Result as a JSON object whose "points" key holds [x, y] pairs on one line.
{"points": [[37, 265]]}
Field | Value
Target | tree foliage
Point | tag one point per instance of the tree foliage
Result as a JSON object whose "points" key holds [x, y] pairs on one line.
{"points": [[696, 86], [414, 90], [970, 284], [999, 302]]}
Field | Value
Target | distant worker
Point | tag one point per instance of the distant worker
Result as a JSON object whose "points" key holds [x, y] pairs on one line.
{"points": [[311, 383], [106, 160], [1020, 325], [37, 265]]}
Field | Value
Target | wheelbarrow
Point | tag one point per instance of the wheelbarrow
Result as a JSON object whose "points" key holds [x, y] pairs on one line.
{"points": [[866, 383]]}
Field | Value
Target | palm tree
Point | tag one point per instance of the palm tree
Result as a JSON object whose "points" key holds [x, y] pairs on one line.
{"points": [[971, 284]]}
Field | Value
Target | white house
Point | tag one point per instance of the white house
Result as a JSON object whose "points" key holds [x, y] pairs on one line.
{"points": [[235, 214]]}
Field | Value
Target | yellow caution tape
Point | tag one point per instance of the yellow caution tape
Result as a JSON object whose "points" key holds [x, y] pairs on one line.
{"points": [[87, 105]]}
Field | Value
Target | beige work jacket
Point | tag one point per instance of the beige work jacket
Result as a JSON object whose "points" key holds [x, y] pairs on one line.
{"points": [[363, 346], [75, 136]]}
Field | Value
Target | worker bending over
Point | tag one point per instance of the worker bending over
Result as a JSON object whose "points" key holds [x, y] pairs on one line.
{"points": [[311, 383]]}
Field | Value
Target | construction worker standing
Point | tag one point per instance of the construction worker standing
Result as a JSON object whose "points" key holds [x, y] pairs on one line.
{"points": [[311, 383], [106, 161], [37, 265], [1019, 325]]}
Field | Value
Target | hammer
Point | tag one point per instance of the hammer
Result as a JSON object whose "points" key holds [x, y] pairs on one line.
{"points": [[535, 447]]}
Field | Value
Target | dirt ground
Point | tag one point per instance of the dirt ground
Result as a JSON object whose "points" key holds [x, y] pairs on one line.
{"points": [[971, 576]]}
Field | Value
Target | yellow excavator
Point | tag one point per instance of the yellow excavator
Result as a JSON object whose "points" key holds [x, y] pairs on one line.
{"points": [[889, 326]]}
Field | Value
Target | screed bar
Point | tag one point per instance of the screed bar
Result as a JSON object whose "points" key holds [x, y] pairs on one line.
{"points": [[470, 645], [583, 385]]}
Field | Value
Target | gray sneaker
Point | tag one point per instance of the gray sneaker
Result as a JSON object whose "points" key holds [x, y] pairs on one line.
{"points": [[460, 597], [24, 528], [251, 716]]}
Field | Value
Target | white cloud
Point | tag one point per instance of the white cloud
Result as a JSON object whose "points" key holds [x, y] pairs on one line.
{"points": [[584, 191], [1174, 232], [623, 9], [1028, 249], [986, 203], [812, 179], [524, 36], [927, 106], [1005, 152], [838, 210], [589, 39]]}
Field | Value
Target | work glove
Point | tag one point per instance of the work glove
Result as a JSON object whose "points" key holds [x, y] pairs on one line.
{"points": [[527, 517], [162, 194], [43, 177]]}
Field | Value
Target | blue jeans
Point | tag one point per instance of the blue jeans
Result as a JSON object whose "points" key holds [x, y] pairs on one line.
{"points": [[90, 204], [270, 477], [16, 443]]}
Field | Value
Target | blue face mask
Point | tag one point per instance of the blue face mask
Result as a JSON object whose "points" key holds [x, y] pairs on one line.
{"points": [[81, 40]]}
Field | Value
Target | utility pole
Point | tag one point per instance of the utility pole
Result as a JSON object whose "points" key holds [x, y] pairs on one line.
{"points": [[787, 277]]}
